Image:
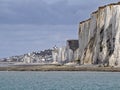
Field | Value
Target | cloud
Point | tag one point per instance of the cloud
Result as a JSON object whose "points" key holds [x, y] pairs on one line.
{"points": [[20, 39], [52, 1], [32, 25], [48, 12]]}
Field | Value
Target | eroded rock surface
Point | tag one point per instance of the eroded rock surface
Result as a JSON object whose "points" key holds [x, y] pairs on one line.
{"points": [[99, 37]]}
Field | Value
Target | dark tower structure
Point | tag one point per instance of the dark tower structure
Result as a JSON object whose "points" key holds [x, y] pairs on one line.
{"points": [[73, 45]]}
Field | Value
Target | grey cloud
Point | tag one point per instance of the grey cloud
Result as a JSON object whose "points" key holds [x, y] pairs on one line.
{"points": [[41, 12], [31, 25], [20, 39]]}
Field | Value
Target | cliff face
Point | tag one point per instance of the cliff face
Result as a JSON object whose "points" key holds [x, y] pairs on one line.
{"points": [[99, 37], [72, 50], [59, 55], [66, 54]]}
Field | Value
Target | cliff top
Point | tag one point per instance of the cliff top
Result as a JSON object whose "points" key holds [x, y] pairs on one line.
{"points": [[99, 8], [85, 20]]}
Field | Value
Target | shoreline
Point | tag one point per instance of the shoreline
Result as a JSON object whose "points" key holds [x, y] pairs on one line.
{"points": [[59, 68]]}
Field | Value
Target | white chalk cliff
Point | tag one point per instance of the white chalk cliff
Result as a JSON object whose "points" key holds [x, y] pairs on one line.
{"points": [[99, 37]]}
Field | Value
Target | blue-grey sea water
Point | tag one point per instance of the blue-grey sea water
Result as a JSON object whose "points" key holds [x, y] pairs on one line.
{"points": [[59, 80]]}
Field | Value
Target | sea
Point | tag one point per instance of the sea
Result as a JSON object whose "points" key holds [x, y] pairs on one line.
{"points": [[59, 80]]}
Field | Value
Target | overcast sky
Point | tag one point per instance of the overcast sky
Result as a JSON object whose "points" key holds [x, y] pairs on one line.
{"points": [[34, 25]]}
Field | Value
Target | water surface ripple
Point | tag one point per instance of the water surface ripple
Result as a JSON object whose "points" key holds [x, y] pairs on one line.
{"points": [[59, 80]]}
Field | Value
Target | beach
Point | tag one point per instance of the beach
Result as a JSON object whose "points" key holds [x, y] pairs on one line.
{"points": [[59, 68]]}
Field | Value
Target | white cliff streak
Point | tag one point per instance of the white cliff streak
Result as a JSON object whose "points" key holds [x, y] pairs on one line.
{"points": [[66, 54], [99, 37]]}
